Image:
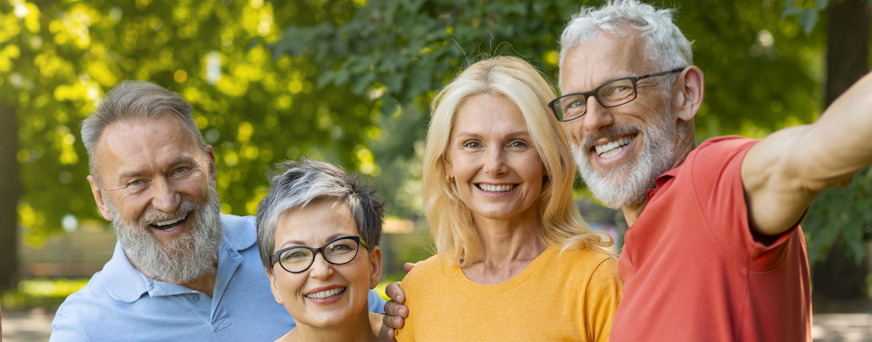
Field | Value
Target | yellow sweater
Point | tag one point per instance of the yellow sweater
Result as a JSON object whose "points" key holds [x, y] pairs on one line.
{"points": [[573, 298]]}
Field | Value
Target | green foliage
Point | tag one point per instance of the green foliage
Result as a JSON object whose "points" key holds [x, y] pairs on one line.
{"points": [[760, 74], [808, 11], [844, 212], [58, 57]]}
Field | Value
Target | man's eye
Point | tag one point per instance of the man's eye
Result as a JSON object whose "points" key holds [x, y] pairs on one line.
{"points": [[181, 169], [135, 182], [619, 90], [574, 104]]}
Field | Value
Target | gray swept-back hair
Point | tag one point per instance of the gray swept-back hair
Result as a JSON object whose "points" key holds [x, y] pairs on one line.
{"points": [[131, 100], [299, 183], [666, 47]]}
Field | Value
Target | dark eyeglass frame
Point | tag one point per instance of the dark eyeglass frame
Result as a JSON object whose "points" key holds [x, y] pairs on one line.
{"points": [[594, 93], [315, 252]]}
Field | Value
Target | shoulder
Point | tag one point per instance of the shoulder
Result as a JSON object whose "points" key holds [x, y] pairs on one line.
{"points": [[719, 150], [84, 308], [240, 231], [583, 258], [586, 264], [424, 271]]}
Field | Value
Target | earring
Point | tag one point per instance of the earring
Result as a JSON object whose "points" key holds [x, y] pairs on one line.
{"points": [[449, 179]]}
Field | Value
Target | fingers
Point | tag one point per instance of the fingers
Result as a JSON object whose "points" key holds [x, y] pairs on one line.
{"points": [[408, 266], [394, 322], [392, 309], [396, 294], [392, 334]]}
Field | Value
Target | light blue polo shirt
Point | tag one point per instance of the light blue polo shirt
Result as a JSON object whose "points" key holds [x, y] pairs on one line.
{"points": [[121, 304]]}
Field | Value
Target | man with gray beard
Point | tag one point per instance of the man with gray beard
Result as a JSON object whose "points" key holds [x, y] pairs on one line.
{"points": [[181, 271], [714, 251]]}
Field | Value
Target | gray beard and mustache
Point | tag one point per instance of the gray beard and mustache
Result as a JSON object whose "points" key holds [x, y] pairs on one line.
{"points": [[628, 184], [183, 258]]}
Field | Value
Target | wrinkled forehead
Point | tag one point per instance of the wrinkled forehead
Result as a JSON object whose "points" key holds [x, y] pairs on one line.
{"points": [[602, 58], [145, 142]]}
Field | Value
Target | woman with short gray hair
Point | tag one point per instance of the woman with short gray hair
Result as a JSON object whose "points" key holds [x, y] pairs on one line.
{"points": [[317, 208]]}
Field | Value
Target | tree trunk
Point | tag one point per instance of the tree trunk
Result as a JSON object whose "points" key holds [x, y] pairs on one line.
{"points": [[839, 277], [10, 188]]}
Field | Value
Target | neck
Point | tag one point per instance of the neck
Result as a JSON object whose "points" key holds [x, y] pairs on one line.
{"points": [[204, 283], [505, 241], [363, 327], [686, 143]]}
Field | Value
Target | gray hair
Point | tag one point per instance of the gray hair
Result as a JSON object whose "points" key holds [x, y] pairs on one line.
{"points": [[131, 100], [306, 181], [666, 47]]}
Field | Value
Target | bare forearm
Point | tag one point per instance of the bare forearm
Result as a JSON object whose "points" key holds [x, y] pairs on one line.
{"points": [[784, 173]]}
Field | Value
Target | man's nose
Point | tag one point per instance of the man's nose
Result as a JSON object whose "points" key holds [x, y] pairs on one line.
{"points": [[165, 199], [320, 269], [597, 117]]}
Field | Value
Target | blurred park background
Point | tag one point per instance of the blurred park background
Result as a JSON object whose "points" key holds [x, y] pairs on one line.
{"points": [[349, 81]]}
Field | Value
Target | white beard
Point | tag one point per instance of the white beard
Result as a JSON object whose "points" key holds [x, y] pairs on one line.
{"points": [[628, 184], [185, 257]]}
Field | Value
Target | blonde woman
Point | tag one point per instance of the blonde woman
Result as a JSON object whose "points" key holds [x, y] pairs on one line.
{"points": [[515, 261]]}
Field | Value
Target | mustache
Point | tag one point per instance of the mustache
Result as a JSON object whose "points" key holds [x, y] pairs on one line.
{"points": [[155, 215], [610, 133]]}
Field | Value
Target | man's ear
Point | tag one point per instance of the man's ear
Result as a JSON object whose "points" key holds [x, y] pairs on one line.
{"points": [[211, 154], [688, 93], [273, 286], [375, 261], [98, 197]]}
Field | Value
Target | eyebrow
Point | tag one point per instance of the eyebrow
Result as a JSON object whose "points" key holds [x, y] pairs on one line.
{"points": [[297, 243], [139, 173], [510, 135]]}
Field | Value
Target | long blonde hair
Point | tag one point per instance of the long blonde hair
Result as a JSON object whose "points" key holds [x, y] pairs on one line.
{"points": [[451, 223]]}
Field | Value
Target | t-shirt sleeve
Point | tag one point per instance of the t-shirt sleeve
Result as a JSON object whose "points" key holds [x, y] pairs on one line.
{"points": [[717, 180], [604, 293]]}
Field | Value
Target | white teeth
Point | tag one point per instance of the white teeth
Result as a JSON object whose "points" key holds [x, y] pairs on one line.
{"points": [[496, 188], [169, 222], [613, 147], [326, 294]]}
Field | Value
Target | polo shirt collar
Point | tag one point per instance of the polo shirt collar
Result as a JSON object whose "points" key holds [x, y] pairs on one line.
{"points": [[663, 179], [125, 283]]}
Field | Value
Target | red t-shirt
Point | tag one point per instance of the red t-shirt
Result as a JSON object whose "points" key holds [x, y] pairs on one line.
{"points": [[693, 272]]}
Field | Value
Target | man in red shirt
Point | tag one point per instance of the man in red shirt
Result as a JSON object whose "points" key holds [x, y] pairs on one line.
{"points": [[714, 251]]}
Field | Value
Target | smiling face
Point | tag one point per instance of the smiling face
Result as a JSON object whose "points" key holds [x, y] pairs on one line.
{"points": [[325, 295], [497, 170], [158, 190], [620, 150]]}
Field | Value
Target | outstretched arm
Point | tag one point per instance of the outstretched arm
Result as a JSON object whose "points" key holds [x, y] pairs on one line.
{"points": [[785, 172]]}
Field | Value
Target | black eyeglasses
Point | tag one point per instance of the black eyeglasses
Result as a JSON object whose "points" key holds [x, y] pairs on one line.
{"points": [[338, 252], [610, 94]]}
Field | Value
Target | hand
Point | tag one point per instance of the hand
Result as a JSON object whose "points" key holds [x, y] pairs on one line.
{"points": [[395, 311]]}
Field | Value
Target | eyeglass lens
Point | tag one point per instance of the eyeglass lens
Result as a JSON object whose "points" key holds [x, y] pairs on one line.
{"points": [[610, 95], [338, 252]]}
